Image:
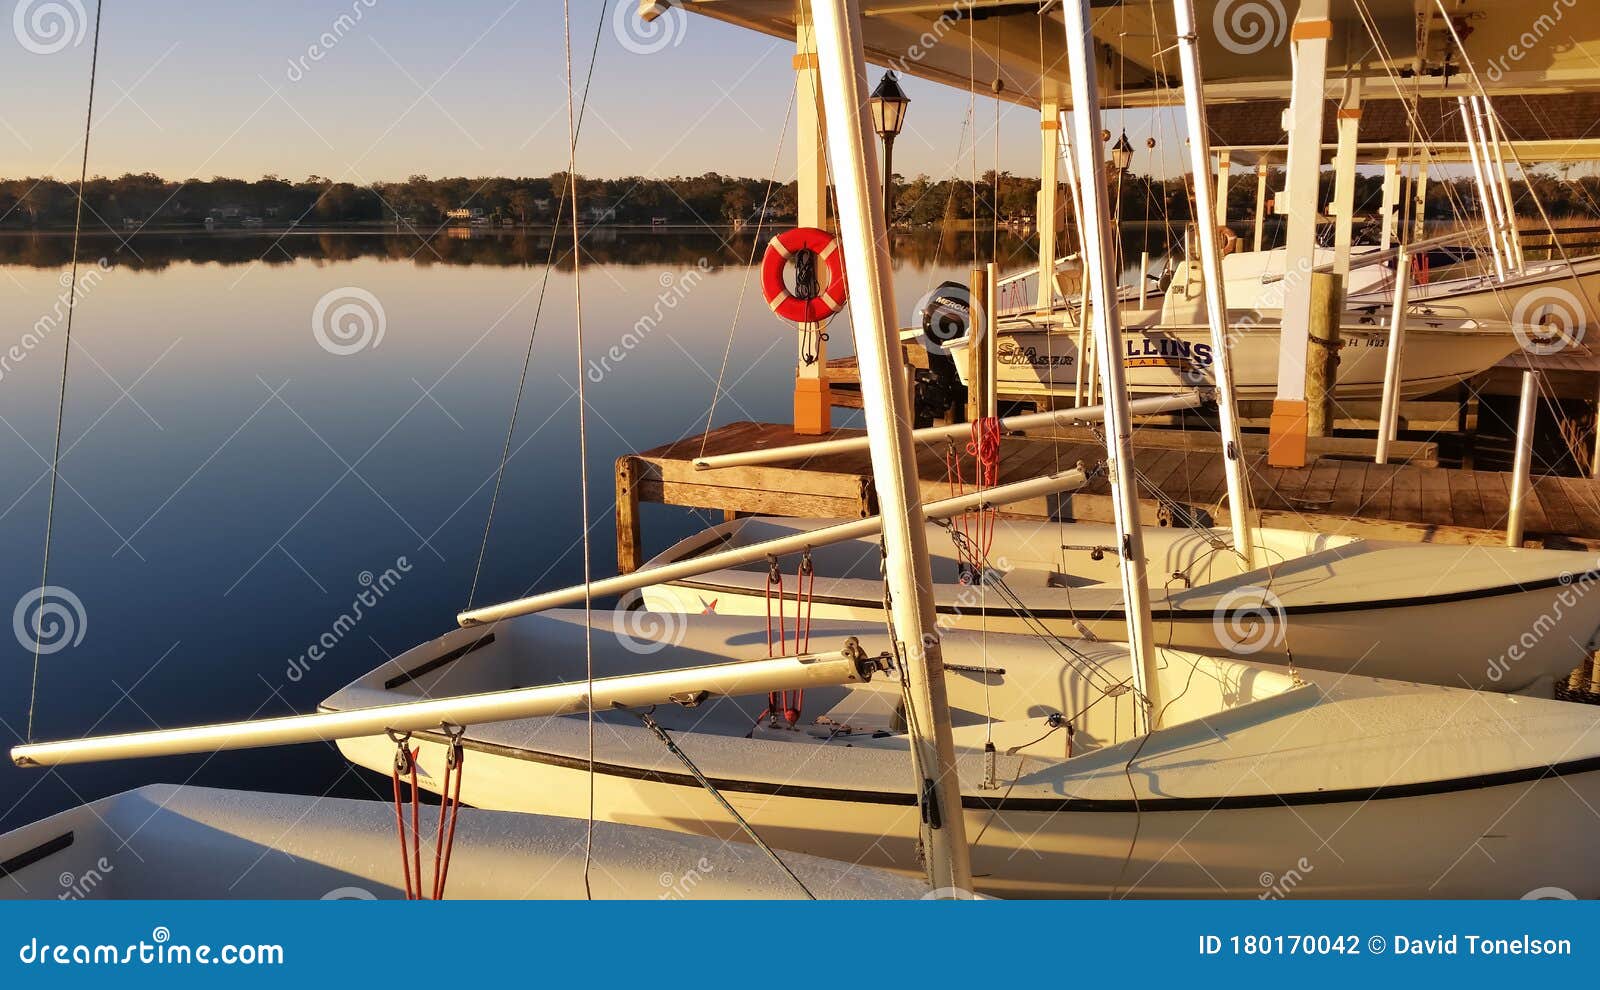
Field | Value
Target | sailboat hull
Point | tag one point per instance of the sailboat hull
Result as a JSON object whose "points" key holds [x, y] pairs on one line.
{"points": [[1057, 849], [1343, 787], [205, 843], [1490, 618]]}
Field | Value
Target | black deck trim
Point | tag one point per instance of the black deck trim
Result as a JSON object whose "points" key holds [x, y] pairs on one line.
{"points": [[1191, 615], [981, 802], [43, 850], [437, 662]]}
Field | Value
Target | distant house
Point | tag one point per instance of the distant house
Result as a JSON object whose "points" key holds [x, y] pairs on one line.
{"points": [[465, 214], [599, 214]]}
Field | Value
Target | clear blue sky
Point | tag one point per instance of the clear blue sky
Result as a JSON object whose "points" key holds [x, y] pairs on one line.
{"points": [[466, 87]]}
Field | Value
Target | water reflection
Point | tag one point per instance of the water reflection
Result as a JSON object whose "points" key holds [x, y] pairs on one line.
{"points": [[156, 250]]}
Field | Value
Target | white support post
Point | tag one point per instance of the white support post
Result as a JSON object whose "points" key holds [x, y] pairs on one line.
{"points": [[1144, 279], [888, 414], [1099, 270], [812, 395], [1049, 160], [1263, 169], [1344, 177], [1391, 200], [1480, 178], [1239, 500], [1419, 208], [1310, 35], [1389, 410], [1527, 410], [1224, 172]]}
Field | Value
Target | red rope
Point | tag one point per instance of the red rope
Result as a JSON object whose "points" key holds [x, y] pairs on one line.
{"points": [[405, 763], [403, 760], [445, 839], [777, 702], [985, 448], [416, 824], [804, 584], [976, 526]]}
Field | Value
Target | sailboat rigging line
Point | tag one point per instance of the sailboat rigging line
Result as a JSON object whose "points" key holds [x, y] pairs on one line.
{"points": [[972, 114], [913, 729], [744, 825], [1084, 665], [1557, 247], [66, 361], [749, 269], [533, 333], [583, 432]]}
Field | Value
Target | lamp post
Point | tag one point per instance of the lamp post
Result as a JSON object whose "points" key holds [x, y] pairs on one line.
{"points": [[1121, 158], [888, 104]]}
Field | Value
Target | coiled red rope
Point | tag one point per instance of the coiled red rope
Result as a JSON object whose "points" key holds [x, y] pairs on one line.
{"points": [[976, 526]]}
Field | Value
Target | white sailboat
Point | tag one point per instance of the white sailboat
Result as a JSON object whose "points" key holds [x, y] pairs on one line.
{"points": [[1252, 769], [165, 842], [1434, 613]]}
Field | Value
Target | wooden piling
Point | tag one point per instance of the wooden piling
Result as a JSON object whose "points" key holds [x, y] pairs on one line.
{"points": [[978, 384], [629, 555], [1322, 368]]}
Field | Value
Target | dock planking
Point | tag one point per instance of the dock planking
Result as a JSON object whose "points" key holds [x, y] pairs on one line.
{"points": [[1412, 501]]}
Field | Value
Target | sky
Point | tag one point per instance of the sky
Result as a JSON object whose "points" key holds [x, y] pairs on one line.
{"points": [[467, 87]]}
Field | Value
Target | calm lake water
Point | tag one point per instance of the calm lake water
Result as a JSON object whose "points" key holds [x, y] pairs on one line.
{"points": [[235, 472]]}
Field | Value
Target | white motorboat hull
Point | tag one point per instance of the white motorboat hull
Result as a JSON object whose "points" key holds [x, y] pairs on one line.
{"points": [[1348, 787], [167, 842], [1491, 618], [1556, 291], [1165, 359]]}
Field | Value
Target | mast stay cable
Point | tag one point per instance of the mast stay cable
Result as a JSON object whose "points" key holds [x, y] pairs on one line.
{"points": [[66, 361]]}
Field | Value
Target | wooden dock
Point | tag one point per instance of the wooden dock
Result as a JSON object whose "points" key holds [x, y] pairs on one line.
{"points": [[1336, 494]]}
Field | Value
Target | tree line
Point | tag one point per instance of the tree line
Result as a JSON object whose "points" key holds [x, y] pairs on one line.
{"points": [[151, 201]]}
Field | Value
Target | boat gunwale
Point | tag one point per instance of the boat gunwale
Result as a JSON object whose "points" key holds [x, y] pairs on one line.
{"points": [[979, 802]]}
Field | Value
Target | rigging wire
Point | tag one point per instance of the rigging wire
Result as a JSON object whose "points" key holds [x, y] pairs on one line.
{"points": [[66, 362], [660, 733], [583, 436], [533, 332]]}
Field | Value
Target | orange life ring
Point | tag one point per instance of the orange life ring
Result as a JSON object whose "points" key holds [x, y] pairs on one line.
{"points": [[812, 299]]}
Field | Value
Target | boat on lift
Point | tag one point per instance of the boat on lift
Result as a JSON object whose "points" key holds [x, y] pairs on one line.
{"points": [[1167, 345], [1540, 299]]}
